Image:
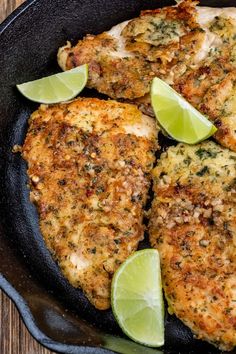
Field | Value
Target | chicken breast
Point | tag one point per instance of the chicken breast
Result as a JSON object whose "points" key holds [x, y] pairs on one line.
{"points": [[123, 61], [192, 48], [89, 164], [193, 225]]}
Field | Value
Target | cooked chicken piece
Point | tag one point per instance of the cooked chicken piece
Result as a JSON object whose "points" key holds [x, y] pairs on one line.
{"points": [[123, 61], [191, 48], [174, 37], [211, 89], [193, 225], [195, 83], [204, 87], [160, 34], [112, 70], [219, 104], [88, 163]]}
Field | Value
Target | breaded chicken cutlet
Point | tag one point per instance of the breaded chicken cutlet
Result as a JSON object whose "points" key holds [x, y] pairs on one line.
{"points": [[192, 48], [89, 164], [193, 225]]}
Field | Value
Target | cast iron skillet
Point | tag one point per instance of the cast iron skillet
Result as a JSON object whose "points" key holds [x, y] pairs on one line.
{"points": [[56, 314]]}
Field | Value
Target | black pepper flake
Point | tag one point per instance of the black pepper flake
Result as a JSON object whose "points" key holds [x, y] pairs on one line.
{"points": [[71, 143], [211, 221], [98, 169], [163, 174], [87, 167], [62, 182], [225, 225], [71, 245]]}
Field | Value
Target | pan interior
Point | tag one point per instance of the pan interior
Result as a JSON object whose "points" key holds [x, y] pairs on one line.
{"points": [[28, 48]]}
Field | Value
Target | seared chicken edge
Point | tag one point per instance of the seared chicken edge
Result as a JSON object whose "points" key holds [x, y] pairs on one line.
{"points": [[89, 164]]}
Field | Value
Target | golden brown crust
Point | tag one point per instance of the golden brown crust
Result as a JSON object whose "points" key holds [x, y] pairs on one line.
{"points": [[89, 163], [195, 83], [219, 104], [193, 223], [123, 65], [117, 77], [170, 43], [157, 34]]}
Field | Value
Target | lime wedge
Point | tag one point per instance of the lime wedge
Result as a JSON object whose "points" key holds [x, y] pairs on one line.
{"points": [[178, 117], [56, 88], [126, 346], [136, 298]]}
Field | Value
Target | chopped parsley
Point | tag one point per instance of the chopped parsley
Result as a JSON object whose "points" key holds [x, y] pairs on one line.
{"points": [[203, 171], [205, 154]]}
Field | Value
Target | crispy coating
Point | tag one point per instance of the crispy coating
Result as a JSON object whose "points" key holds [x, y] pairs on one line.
{"points": [[123, 61], [89, 164], [195, 83], [204, 86], [219, 103], [211, 89], [191, 48], [113, 74], [193, 225], [162, 33]]}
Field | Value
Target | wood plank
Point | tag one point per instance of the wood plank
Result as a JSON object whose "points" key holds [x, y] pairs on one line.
{"points": [[14, 336], [7, 6]]}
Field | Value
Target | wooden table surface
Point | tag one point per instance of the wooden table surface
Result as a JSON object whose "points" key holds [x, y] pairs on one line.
{"points": [[14, 337]]}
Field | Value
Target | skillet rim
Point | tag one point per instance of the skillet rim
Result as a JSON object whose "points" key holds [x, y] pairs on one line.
{"points": [[5, 285], [15, 14], [36, 333]]}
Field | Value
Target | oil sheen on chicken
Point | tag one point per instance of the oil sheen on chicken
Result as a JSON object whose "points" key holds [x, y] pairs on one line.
{"points": [[89, 164], [192, 48], [193, 225]]}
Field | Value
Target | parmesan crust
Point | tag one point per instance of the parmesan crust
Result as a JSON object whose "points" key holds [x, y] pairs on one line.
{"points": [[193, 225], [190, 47], [89, 164]]}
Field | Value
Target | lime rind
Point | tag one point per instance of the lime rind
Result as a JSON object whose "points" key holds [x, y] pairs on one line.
{"points": [[137, 299], [121, 345], [178, 117], [56, 88]]}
